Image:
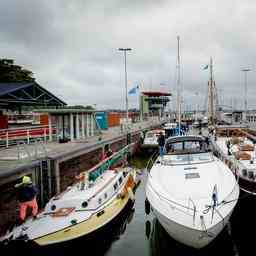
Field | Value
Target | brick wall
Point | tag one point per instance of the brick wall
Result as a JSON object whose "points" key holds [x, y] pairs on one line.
{"points": [[70, 168]]}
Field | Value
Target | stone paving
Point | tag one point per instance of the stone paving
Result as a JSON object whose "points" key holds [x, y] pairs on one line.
{"points": [[18, 156]]}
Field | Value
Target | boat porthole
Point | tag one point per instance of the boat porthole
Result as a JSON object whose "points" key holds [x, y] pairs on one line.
{"points": [[105, 195], [53, 207], [73, 222], [84, 204], [99, 200]]}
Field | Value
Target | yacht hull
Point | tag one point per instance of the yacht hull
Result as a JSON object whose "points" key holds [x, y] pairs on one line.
{"points": [[186, 235], [87, 227]]}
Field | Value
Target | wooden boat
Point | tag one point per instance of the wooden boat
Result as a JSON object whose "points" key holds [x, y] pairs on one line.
{"points": [[239, 153], [81, 209]]}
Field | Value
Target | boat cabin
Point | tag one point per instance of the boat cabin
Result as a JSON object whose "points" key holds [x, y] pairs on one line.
{"points": [[187, 149]]}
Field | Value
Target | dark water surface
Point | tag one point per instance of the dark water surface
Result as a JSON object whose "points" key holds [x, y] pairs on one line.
{"points": [[135, 233]]}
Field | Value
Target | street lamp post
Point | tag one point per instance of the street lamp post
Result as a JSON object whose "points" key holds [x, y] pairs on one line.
{"points": [[125, 72], [245, 70]]}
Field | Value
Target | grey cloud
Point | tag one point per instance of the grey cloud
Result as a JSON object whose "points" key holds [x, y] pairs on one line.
{"points": [[71, 46]]}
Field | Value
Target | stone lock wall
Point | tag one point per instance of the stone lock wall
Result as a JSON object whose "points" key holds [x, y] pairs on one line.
{"points": [[9, 211]]}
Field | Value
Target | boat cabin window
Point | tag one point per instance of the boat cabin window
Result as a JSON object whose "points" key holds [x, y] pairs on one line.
{"points": [[187, 158], [120, 180], [115, 186], [186, 147]]}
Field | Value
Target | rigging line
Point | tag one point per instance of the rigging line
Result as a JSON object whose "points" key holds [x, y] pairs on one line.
{"points": [[209, 234]]}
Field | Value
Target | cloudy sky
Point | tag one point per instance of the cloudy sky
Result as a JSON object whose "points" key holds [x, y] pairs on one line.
{"points": [[71, 46]]}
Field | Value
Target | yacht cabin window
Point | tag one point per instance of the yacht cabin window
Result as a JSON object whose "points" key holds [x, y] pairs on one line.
{"points": [[186, 147], [187, 152]]}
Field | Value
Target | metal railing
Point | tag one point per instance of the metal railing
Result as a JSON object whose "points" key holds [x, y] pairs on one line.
{"points": [[151, 161], [14, 136], [194, 209]]}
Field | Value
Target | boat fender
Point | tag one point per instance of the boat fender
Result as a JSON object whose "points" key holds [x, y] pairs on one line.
{"points": [[147, 207], [121, 195], [131, 194]]}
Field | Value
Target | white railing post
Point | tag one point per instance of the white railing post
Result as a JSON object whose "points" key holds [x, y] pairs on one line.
{"points": [[27, 136], [7, 139], [45, 134]]}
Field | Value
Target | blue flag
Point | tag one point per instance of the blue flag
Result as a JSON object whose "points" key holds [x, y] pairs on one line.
{"points": [[133, 90], [206, 67]]}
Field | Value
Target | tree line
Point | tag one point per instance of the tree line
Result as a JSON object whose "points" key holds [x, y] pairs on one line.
{"points": [[10, 72]]}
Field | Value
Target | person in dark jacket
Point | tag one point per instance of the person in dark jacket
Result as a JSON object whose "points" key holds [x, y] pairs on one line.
{"points": [[26, 195], [161, 142]]}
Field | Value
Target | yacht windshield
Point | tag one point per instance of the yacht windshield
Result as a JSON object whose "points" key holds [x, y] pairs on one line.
{"points": [[187, 158], [186, 147], [150, 135]]}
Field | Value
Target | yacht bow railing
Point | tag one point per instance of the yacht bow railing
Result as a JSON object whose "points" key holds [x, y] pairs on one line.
{"points": [[151, 161], [194, 209]]}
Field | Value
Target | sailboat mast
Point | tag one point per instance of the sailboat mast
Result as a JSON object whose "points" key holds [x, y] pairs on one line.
{"points": [[211, 100], [178, 87]]}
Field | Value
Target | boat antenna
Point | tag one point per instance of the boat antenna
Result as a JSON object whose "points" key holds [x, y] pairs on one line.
{"points": [[178, 89]]}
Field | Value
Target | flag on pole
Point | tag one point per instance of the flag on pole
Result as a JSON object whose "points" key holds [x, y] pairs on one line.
{"points": [[206, 67], [133, 90]]}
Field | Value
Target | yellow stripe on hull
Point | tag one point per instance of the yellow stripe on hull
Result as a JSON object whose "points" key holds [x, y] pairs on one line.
{"points": [[88, 226]]}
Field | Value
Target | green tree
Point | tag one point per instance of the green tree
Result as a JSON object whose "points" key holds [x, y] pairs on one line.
{"points": [[9, 72]]}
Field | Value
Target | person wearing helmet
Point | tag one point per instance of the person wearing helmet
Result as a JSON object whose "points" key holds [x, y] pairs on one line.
{"points": [[26, 195]]}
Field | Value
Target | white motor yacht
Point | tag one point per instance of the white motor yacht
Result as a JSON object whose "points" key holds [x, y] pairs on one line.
{"points": [[151, 138], [191, 192]]}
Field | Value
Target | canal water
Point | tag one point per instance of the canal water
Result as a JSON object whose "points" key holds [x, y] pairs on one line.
{"points": [[136, 233]]}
